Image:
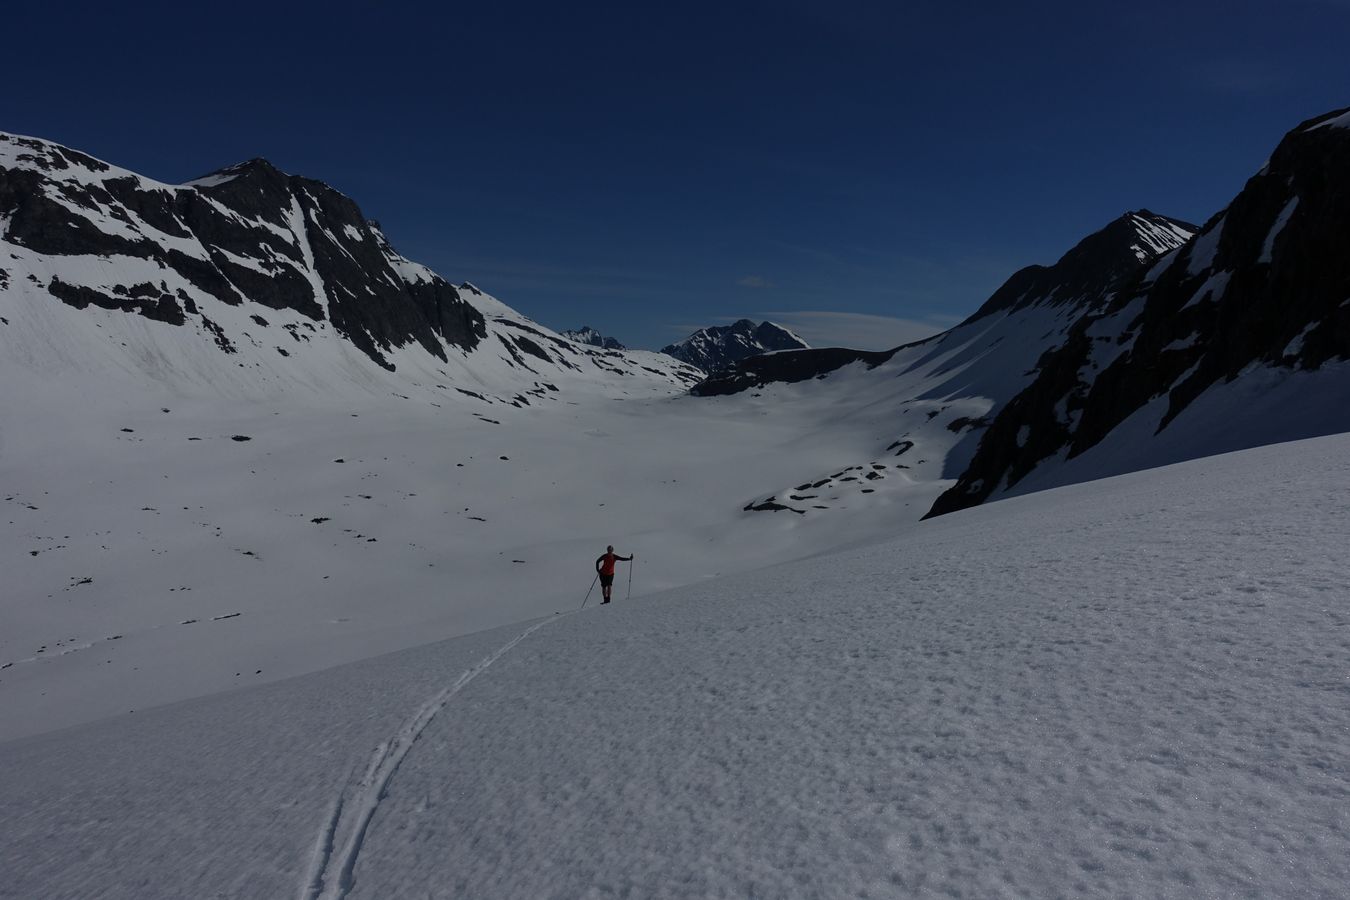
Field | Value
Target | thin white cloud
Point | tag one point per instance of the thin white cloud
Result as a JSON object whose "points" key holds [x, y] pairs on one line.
{"points": [[859, 331]]}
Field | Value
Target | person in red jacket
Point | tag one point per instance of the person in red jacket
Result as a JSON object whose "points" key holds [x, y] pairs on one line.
{"points": [[604, 565]]}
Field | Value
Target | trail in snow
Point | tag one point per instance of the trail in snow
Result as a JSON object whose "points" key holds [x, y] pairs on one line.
{"points": [[1130, 687], [332, 878]]}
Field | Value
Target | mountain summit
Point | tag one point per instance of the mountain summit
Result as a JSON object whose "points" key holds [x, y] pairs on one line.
{"points": [[592, 338], [1083, 279], [718, 346], [1086, 275], [253, 280], [1215, 329]]}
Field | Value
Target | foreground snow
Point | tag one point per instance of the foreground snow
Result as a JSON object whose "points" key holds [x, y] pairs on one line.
{"points": [[1130, 687]]}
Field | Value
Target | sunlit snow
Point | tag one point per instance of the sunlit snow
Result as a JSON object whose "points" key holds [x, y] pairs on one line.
{"points": [[1129, 687]]}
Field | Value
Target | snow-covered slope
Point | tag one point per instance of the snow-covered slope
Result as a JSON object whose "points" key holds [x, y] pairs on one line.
{"points": [[1238, 339], [324, 505], [320, 507], [930, 402], [1138, 348], [1134, 687], [1088, 275], [715, 348], [254, 283]]}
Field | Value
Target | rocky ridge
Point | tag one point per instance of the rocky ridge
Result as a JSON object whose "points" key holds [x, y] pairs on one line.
{"points": [[250, 268], [715, 348], [1264, 285]]}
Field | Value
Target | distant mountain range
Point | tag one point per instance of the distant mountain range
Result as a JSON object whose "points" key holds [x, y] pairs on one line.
{"points": [[710, 349], [719, 346], [589, 336]]}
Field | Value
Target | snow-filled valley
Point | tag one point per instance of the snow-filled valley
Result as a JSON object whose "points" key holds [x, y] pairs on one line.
{"points": [[343, 529], [213, 525], [1134, 686], [296, 536]]}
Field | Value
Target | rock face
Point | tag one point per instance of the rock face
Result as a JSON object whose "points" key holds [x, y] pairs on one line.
{"points": [[1084, 279], [250, 280], [249, 233], [931, 401], [589, 336], [1091, 272], [1264, 286], [715, 348]]}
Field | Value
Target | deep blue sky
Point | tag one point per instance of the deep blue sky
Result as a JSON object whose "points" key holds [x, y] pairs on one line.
{"points": [[651, 168]]}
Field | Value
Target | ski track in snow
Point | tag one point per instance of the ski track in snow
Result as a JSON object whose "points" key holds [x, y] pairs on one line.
{"points": [[1134, 687], [331, 878]]}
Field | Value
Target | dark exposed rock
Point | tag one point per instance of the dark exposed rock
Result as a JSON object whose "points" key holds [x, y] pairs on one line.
{"points": [[49, 157], [589, 336], [771, 505], [246, 218], [41, 224], [158, 208], [161, 307], [515, 354], [1088, 273], [218, 335], [282, 288], [714, 349], [1085, 278], [1264, 283], [532, 348], [204, 276]]}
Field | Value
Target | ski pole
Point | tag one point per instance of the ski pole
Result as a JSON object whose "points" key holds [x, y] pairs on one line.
{"points": [[588, 593], [630, 577]]}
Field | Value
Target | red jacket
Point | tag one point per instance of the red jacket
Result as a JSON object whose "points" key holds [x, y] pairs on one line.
{"points": [[605, 563]]}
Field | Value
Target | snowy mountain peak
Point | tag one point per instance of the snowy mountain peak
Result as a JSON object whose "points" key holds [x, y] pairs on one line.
{"points": [[1088, 274], [1157, 235], [719, 346], [256, 168], [250, 268], [589, 336], [1213, 333], [22, 151], [1337, 119]]}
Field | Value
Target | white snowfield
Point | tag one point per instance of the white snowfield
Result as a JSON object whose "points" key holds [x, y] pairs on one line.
{"points": [[1132, 687], [151, 557], [176, 520]]}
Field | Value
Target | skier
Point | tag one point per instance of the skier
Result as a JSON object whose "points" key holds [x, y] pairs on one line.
{"points": [[604, 566]]}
